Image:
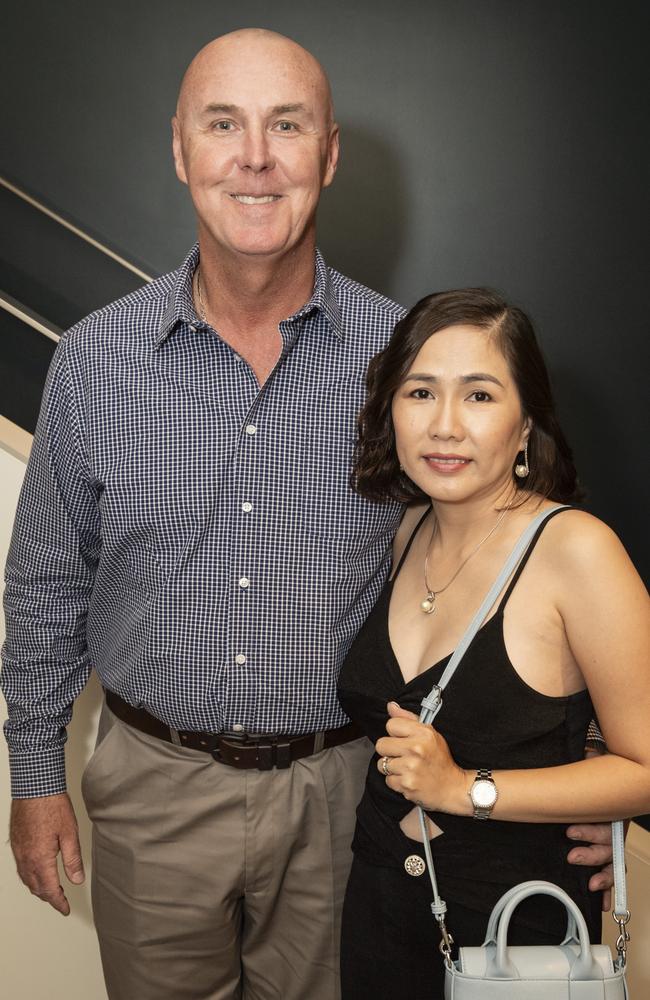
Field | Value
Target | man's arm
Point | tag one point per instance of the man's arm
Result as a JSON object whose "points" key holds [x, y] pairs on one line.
{"points": [[595, 850], [49, 576]]}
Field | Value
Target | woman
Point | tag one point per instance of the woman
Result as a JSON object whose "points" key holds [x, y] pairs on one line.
{"points": [[459, 423]]}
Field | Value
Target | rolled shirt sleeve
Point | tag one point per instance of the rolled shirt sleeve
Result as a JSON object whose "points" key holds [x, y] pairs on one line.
{"points": [[49, 578]]}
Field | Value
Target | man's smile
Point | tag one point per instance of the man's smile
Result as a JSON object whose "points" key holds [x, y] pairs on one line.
{"points": [[252, 199]]}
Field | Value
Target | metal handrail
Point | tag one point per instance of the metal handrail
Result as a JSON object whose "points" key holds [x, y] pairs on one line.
{"points": [[74, 229], [32, 319]]}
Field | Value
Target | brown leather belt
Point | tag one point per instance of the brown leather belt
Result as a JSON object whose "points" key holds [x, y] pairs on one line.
{"points": [[243, 750]]}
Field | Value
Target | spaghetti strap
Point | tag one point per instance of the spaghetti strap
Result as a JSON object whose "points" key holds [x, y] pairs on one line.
{"points": [[410, 542], [526, 557]]}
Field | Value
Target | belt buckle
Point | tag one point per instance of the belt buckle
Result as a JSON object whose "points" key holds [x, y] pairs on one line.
{"points": [[230, 737], [271, 750]]}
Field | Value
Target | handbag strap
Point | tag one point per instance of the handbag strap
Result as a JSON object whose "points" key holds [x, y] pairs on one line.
{"points": [[432, 704]]}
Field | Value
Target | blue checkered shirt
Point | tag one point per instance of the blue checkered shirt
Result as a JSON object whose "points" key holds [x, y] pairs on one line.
{"points": [[190, 535]]}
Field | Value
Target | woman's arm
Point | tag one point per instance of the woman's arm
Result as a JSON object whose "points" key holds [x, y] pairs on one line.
{"points": [[604, 607]]}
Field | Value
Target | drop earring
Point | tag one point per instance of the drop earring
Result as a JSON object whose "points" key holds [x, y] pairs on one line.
{"points": [[521, 468]]}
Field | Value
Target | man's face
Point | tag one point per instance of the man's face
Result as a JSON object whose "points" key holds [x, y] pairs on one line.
{"points": [[254, 143]]}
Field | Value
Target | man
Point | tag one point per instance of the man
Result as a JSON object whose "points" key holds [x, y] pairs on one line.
{"points": [[187, 527]]}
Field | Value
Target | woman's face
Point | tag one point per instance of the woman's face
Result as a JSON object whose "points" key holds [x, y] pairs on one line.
{"points": [[458, 418]]}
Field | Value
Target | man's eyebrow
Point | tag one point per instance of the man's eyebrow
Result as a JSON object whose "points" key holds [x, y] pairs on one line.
{"points": [[463, 379], [287, 109], [221, 108]]}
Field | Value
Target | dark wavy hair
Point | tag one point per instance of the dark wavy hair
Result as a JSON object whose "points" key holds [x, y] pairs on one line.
{"points": [[376, 474]]}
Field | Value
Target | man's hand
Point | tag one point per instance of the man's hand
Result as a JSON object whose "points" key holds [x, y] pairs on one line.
{"points": [[596, 849], [39, 829]]}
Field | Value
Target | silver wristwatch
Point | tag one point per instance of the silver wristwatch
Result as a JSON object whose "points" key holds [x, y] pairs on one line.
{"points": [[483, 793]]}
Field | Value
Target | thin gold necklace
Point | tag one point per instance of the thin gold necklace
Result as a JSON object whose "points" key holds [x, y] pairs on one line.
{"points": [[202, 314], [428, 605]]}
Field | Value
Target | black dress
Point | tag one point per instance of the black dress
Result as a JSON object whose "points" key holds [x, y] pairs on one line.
{"points": [[490, 718]]}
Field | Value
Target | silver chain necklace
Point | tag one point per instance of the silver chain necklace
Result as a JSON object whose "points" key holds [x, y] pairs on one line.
{"points": [[428, 605]]}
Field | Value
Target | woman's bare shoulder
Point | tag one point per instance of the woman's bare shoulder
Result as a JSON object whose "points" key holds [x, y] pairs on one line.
{"points": [[580, 545], [576, 534]]}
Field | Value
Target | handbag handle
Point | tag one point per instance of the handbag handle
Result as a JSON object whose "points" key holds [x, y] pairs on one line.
{"points": [[432, 704], [571, 935], [499, 964]]}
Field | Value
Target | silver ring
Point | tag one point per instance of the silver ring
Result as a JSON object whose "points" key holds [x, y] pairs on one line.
{"points": [[384, 766]]}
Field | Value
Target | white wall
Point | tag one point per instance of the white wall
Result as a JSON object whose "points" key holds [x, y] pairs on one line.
{"points": [[47, 955]]}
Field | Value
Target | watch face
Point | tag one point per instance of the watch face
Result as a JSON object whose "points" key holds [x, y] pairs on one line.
{"points": [[484, 794]]}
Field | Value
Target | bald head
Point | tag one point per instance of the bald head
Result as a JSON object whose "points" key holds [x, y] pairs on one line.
{"points": [[255, 141], [254, 50]]}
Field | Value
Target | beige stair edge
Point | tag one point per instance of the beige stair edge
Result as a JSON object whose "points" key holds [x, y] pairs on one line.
{"points": [[14, 440]]}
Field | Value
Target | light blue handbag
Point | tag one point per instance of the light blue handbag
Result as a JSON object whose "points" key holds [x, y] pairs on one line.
{"points": [[572, 970]]}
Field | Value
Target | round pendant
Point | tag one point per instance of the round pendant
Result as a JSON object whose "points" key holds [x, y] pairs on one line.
{"points": [[428, 605]]}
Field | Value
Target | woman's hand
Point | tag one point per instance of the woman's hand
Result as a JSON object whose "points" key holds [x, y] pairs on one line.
{"points": [[419, 764]]}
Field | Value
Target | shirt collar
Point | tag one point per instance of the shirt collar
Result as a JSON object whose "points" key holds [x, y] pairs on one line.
{"points": [[323, 298], [180, 304]]}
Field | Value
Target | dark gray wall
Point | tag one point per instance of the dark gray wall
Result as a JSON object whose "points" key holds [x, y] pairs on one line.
{"points": [[496, 142]]}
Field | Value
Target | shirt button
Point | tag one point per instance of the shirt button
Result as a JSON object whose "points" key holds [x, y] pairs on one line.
{"points": [[240, 659], [238, 728], [244, 582], [251, 429], [247, 507]]}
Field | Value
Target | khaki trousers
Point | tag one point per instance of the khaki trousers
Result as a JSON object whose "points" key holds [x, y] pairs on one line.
{"points": [[211, 883]]}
